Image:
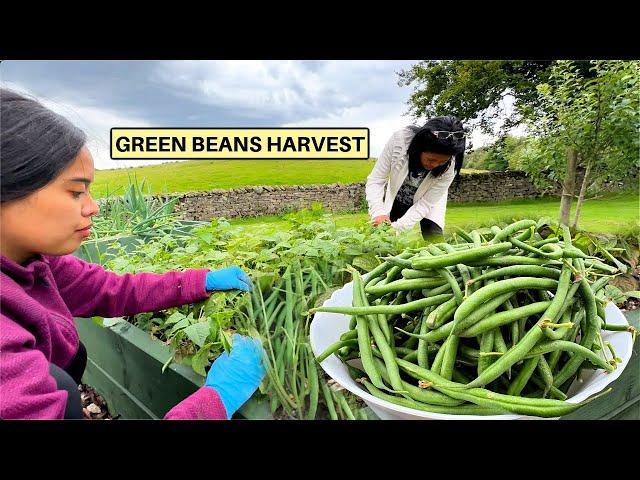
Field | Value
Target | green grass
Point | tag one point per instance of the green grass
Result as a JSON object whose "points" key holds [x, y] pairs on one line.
{"points": [[615, 213], [203, 175]]}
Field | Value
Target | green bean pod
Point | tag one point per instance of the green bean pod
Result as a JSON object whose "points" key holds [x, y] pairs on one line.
{"points": [[542, 407], [488, 308], [509, 230], [508, 260], [455, 410], [404, 285], [364, 339], [575, 348], [503, 286], [503, 318], [589, 336], [464, 256], [554, 310], [513, 355], [523, 376], [441, 314], [387, 309], [519, 271], [419, 394], [546, 374]]}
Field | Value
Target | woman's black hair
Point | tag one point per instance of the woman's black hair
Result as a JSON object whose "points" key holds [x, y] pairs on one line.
{"points": [[425, 141], [36, 145]]}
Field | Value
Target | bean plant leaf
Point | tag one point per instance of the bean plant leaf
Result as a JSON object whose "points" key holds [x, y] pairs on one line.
{"points": [[175, 317], [225, 338], [615, 294], [366, 263], [179, 326], [201, 359], [110, 322], [198, 333]]}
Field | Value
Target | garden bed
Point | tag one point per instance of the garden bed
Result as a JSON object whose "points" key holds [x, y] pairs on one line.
{"points": [[126, 363]]}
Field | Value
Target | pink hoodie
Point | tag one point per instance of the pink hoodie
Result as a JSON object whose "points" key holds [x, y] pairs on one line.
{"points": [[38, 301]]}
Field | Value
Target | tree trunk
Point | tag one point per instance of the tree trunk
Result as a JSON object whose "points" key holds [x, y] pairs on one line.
{"points": [[593, 158], [583, 190], [568, 187]]}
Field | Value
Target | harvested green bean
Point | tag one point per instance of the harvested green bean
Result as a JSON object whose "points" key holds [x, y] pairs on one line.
{"points": [[387, 309], [474, 254], [504, 318]]}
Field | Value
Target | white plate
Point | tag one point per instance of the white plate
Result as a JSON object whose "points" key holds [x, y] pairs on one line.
{"points": [[326, 329]]}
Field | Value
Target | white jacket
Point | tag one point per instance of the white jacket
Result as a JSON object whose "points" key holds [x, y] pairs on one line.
{"points": [[390, 171]]}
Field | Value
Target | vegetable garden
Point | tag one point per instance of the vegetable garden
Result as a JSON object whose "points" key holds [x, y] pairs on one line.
{"points": [[497, 319]]}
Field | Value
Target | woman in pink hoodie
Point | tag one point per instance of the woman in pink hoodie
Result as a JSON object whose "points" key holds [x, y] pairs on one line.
{"points": [[45, 213]]}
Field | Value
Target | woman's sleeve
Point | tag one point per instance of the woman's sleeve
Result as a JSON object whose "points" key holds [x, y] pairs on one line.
{"points": [[88, 289], [203, 404], [27, 389], [379, 176]]}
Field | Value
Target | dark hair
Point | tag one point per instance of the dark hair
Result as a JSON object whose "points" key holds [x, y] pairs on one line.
{"points": [[36, 144], [425, 141]]}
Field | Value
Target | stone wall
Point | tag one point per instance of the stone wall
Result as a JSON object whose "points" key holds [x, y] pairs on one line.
{"points": [[274, 200], [267, 200], [493, 187]]}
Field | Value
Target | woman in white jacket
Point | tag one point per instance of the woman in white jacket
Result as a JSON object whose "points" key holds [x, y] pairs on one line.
{"points": [[410, 180]]}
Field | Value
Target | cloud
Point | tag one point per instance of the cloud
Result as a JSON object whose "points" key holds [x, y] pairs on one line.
{"points": [[95, 121], [336, 93], [382, 119], [287, 90]]}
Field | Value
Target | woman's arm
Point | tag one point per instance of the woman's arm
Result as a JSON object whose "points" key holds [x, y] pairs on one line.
{"points": [[204, 404], [27, 390], [379, 176], [88, 289]]}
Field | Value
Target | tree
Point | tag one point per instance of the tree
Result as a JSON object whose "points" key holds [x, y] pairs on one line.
{"points": [[475, 158], [584, 114], [592, 123], [504, 154], [471, 90]]}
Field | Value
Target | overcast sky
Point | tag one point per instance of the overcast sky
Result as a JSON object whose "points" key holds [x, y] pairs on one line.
{"points": [[99, 95]]}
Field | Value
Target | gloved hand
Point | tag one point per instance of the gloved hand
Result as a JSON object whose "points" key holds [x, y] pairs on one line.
{"points": [[236, 375], [228, 278]]}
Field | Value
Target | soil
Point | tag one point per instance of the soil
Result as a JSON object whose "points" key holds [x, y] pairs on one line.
{"points": [[630, 304], [93, 405]]}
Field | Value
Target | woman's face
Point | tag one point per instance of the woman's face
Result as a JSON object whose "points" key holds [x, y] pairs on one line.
{"points": [[53, 220], [431, 160]]}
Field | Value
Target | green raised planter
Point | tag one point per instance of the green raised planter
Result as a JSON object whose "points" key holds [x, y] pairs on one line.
{"points": [[125, 366]]}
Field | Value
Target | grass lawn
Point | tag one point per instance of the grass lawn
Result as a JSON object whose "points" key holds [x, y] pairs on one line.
{"points": [[203, 175], [615, 213]]}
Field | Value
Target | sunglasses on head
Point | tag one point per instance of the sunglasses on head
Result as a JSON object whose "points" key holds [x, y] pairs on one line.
{"points": [[445, 134]]}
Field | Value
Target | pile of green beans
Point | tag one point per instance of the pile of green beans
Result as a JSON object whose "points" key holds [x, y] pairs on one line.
{"points": [[295, 385], [480, 325]]}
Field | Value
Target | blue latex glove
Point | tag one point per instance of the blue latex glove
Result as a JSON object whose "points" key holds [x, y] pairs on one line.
{"points": [[236, 375], [229, 278]]}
